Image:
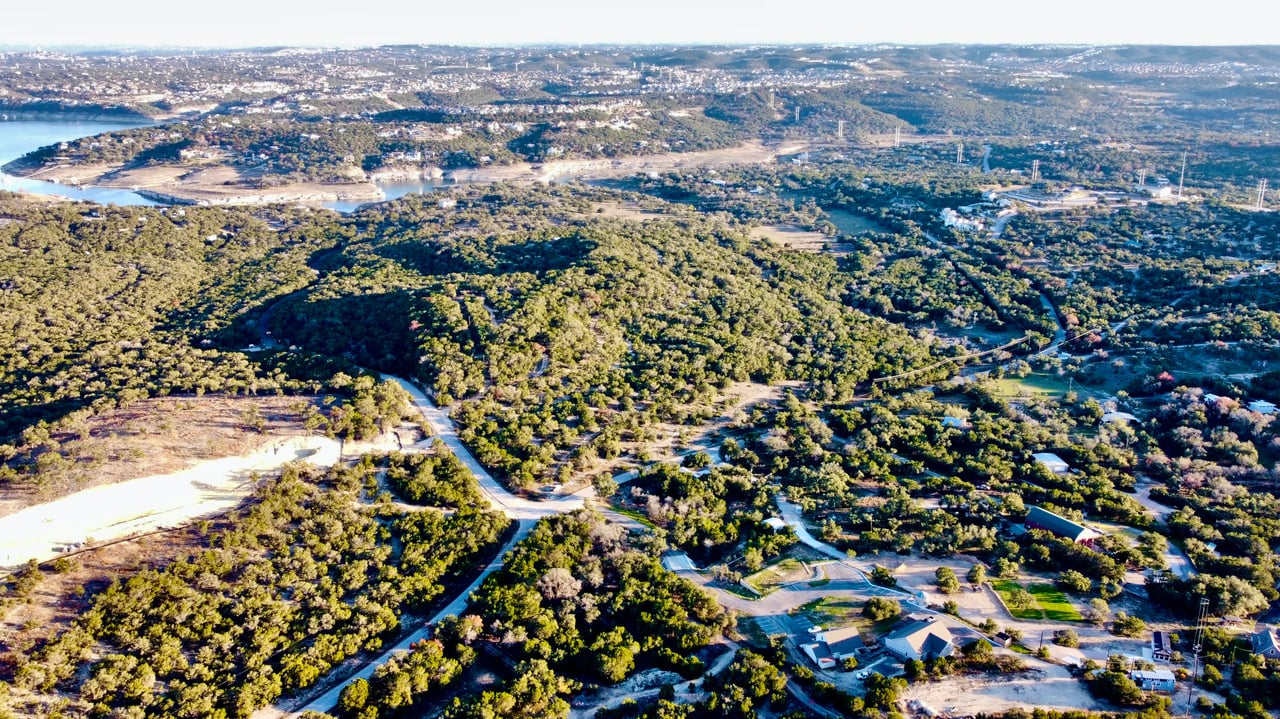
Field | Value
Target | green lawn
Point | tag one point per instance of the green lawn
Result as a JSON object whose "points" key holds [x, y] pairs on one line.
{"points": [[1043, 385], [839, 612], [1050, 602], [775, 575]]}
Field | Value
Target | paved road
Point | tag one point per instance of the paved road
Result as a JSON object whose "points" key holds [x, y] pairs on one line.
{"points": [[514, 506], [791, 515], [1179, 563], [329, 699], [526, 511]]}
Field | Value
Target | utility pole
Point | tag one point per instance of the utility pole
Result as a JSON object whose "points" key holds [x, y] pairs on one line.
{"points": [[1262, 192], [840, 131], [897, 137], [1035, 170], [959, 153], [1142, 177], [797, 115]]}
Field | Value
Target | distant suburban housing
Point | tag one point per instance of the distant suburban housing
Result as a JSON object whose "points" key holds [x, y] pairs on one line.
{"points": [[1052, 462], [1161, 647], [1266, 642], [1038, 518], [832, 646], [920, 637], [1154, 680], [951, 218]]}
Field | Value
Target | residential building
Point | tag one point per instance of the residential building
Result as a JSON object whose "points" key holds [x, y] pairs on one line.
{"points": [[830, 647], [1161, 647], [775, 524], [920, 637], [1052, 462], [1154, 680], [1261, 406], [1266, 642], [1038, 518]]}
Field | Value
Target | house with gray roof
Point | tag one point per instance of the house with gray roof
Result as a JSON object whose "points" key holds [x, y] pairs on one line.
{"points": [[921, 637], [832, 646], [1266, 642]]}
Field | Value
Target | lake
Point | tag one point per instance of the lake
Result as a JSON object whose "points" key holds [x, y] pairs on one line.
{"points": [[18, 137]]}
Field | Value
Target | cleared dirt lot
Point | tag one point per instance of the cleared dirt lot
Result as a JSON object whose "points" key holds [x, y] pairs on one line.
{"points": [[108, 512], [1047, 686], [154, 436]]}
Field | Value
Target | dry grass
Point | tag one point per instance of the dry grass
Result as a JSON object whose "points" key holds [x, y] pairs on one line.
{"points": [[156, 436]]}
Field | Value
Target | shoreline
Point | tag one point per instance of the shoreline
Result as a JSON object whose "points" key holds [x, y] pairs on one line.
{"points": [[219, 185]]}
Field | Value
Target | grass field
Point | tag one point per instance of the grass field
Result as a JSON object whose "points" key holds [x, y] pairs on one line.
{"points": [[1039, 384], [843, 612], [775, 575], [1050, 602]]}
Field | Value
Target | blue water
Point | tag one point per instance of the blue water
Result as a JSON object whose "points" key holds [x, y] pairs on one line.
{"points": [[18, 137], [391, 190]]}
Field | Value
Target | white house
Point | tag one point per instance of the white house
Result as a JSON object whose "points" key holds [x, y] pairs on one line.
{"points": [[951, 218], [1261, 406], [1052, 462]]}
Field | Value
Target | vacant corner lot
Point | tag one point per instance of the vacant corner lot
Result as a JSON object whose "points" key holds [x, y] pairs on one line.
{"points": [[784, 572]]}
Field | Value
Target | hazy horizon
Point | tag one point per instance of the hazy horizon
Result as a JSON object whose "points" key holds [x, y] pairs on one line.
{"points": [[241, 24]]}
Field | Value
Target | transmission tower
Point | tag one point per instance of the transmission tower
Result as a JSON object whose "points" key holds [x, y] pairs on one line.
{"points": [[1142, 177], [1035, 170], [897, 137], [1182, 175], [1262, 192], [840, 131], [959, 153], [1195, 651]]}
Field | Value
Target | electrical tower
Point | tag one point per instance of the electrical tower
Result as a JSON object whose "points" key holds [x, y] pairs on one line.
{"points": [[1035, 170], [1182, 175], [1195, 651], [1142, 177], [797, 120], [959, 153], [1262, 192], [897, 137], [840, 131]]}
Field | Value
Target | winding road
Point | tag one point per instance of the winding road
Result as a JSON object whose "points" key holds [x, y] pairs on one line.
{"points": [[525, 511]]}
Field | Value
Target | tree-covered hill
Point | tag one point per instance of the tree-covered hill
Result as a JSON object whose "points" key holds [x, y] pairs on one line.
{"points": [[561, 332]]}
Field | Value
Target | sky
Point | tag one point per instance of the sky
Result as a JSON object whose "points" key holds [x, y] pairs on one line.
{"points": [[256, 23]]}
